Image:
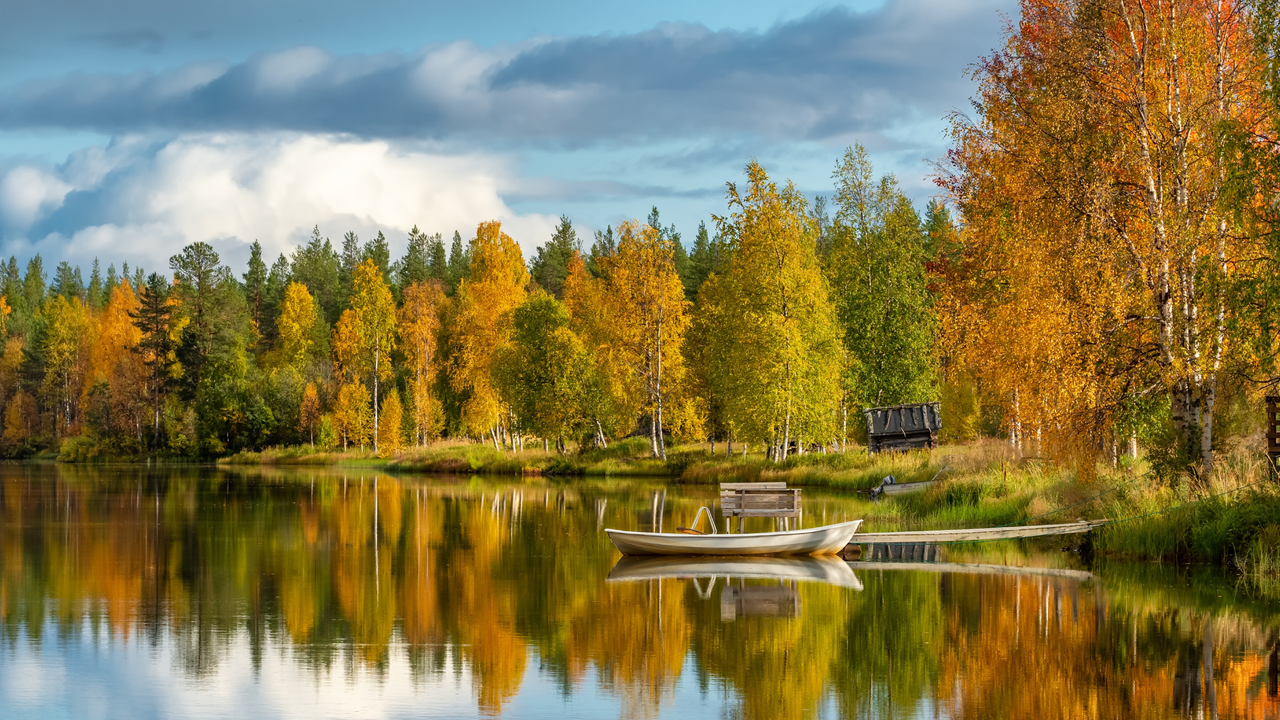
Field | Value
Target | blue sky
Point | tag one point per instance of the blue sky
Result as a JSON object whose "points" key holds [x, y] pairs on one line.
{"points": [[130, 128]]}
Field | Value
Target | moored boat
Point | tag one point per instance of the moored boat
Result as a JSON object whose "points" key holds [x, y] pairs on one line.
{"points": [[823, 540]]}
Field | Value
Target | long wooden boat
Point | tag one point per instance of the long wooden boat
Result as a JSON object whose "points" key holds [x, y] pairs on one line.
{"points": [[824, 540]]}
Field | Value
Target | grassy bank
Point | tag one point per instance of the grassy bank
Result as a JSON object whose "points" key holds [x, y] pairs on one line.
{"points": [[1232, 518]]}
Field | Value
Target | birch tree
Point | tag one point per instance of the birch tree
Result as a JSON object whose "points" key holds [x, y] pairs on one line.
{"points": [[375, 315], [650, 316], [780, 347], [1098, 155], [494, 286]]}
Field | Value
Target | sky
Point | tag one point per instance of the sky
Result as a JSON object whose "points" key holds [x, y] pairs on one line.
{"points": [[130, 128]]}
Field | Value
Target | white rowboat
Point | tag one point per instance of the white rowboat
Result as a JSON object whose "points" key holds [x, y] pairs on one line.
{"points": [[824, 540]]}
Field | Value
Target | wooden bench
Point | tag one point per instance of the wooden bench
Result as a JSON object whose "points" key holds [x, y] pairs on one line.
{"points": [[759, 499]]}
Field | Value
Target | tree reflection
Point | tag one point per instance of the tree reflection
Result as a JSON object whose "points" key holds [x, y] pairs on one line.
{"points": [[507, 581]]}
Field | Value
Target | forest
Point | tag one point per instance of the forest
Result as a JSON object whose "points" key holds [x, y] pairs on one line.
{"points": [[781, 320], [1097, 274]]}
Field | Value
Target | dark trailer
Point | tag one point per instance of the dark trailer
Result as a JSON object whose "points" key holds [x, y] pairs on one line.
{"points": [[903, 427]]}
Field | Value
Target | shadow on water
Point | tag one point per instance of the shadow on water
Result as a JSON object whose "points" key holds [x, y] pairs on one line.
{"points": [[332, 593]]}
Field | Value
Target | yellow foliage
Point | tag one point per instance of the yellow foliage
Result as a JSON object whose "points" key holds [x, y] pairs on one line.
{"points": [[309, 413], [419, 326], [353, 415], [296, 323], [649, 317], [485, 301], [389, 423]]}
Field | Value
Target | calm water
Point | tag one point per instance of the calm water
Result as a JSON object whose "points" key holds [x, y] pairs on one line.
{"points": [[127, 593]]}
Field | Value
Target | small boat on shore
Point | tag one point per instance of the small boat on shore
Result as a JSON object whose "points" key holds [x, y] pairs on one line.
{"points": [[824, 540]]}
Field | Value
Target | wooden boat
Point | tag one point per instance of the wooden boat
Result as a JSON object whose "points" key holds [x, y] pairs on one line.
{"points": [[826, 569], [824, 540]]}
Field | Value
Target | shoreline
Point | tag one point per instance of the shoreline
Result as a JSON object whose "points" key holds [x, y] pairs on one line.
{"points": [[981, 485]]}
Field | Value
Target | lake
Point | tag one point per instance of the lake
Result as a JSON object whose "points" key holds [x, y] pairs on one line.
{"points": [[131, 592]]}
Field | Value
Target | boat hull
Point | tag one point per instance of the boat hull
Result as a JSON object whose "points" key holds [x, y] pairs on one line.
{"points": [[824, 540]]}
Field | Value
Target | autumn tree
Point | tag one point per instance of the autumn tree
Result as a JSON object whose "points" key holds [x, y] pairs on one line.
{"points": [[544, 370], [297, 324], [309, 413], [1091, 181], [650, 316], [114, 362], [352, 415], [780, 348], [495, 287], [613, 399], [375, 315], [390, 422], [64, 351], [419, 321]]}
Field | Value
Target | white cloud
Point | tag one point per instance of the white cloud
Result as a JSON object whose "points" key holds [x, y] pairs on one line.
{"points": [[26, 192], [229, 189]]}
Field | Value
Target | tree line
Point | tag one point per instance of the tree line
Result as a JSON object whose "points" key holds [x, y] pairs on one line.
{"points": [[785, 316]]}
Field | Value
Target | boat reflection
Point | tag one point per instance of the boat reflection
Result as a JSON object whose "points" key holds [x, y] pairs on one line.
{"points": [[827, 570], [779, 598]]}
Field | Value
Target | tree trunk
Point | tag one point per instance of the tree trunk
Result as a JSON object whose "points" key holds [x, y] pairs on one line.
{"points": [[377, 355], [844, 424], [786, 432]]}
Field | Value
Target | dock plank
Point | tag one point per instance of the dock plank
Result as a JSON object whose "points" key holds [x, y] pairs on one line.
{"points": [[976, 534]]}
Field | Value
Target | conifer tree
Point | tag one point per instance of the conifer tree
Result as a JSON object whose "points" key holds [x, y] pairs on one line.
{"points": [[550, 266], [379, 251], [155, 344], [95, 294], [67, 282], [255, 286], [459, 262], [415, 265], [316, 265], [603, 247], [438, 259], [113, 280]]}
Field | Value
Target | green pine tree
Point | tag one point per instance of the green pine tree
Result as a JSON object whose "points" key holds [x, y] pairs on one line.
{"points": [[551, 265], [459, 262], [94, 293]]}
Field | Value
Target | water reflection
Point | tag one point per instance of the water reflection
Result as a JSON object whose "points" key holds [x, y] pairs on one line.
{"points": [[331, 594]]}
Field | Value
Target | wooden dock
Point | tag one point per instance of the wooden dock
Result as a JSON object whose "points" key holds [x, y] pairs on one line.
{"points": [[974, 534]]}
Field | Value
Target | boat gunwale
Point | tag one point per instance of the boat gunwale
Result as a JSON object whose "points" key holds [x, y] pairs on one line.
{"points": [[722, 536]]}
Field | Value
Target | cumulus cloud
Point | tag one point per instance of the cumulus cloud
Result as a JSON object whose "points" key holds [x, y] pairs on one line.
{"points": [[828, 75], [141, 201]]}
